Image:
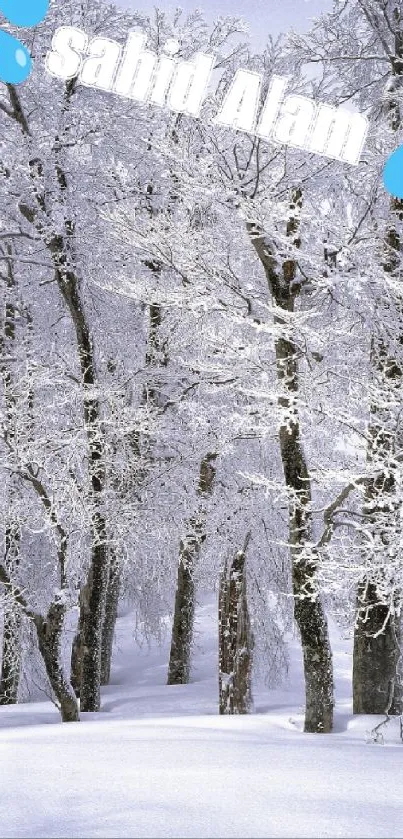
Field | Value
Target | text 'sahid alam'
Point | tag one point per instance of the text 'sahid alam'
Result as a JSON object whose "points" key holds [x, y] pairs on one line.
{"points": [[164, 80]]}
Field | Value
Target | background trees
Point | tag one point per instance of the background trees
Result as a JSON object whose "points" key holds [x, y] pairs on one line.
{"points": [[201, 340]]}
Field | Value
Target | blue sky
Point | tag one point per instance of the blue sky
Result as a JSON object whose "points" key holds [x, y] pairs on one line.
{"points": [[264, 17]]}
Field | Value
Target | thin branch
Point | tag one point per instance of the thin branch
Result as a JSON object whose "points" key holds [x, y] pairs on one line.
{"points": [[332, 509]]}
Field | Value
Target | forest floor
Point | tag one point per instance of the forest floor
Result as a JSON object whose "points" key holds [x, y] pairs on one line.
{"points": [[158, 761]]}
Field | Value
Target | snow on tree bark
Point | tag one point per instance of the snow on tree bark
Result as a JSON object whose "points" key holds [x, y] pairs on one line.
{"points": [[49, 634], [49, 631], [377, 676], [235, 640], [308, 608], [111, 612], [189, 552]]}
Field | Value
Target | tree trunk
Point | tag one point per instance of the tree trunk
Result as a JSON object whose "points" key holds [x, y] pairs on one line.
{"points": [[49, 633], [184, 612], [76, 664], [76, 661], [11, 653], [235, 642], [11, 658], [377, 673], [96, 584], [111, 613], [182, 628], [377, 676], [377, 666], [308, 609]]}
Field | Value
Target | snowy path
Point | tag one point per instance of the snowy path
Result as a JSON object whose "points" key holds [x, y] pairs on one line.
{"points": [[159, 762]]}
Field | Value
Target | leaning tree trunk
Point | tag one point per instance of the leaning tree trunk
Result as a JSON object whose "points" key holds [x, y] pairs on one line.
{"points": [[49, 634], [111, 613], [235, 640], [49, 629], [184, 612], [377, 665], [308, 609]]}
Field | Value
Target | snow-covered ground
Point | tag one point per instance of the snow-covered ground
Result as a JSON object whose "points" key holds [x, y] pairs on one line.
{"points": [[159, 762]]}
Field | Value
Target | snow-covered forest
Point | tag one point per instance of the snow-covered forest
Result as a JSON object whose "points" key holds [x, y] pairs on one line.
{"points": [[201, 446]]}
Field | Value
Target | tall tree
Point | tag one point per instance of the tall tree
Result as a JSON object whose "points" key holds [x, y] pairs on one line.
{"points": [[309, 611], [363, 65]]}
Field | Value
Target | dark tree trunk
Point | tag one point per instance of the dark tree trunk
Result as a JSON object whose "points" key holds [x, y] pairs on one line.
{"points": [[93, 599], [184, 612], [49, 633], [76, 650], [318, 669], [111, 613], [377, 666], [182, 629], [76, 661], [87, 644], [235, 641], [96, 583], [377, 676], [308, 609], [90, 692]]}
